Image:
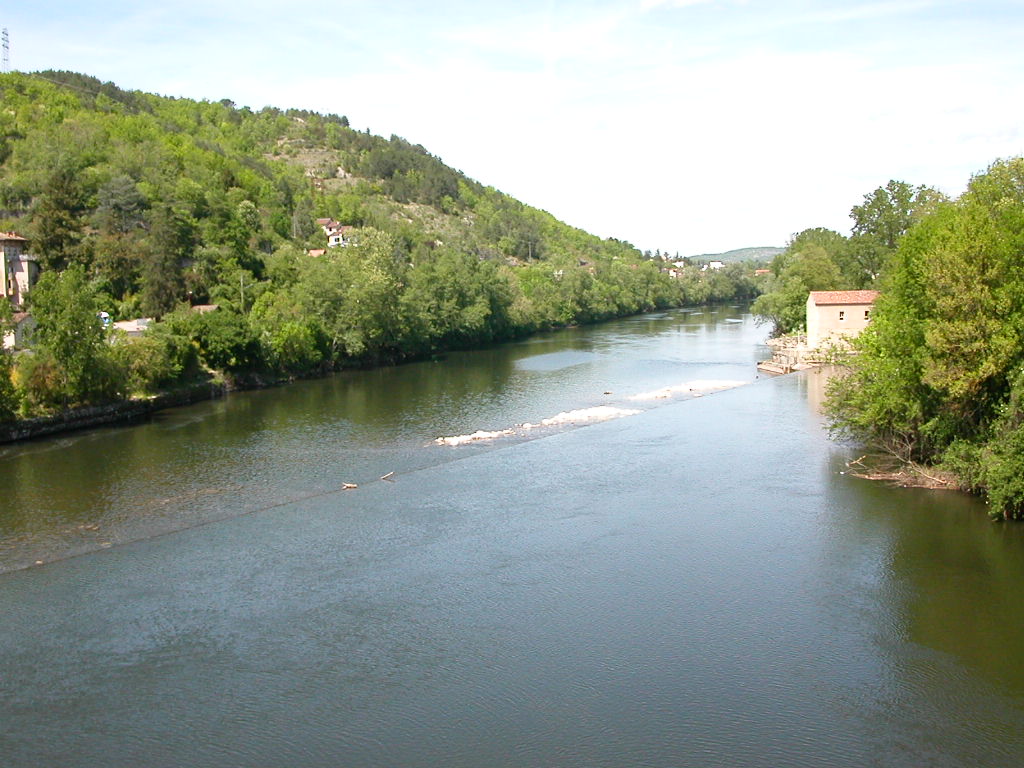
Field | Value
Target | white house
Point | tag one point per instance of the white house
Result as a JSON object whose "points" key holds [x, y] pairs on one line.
{"points": [[337, 234], [836, 315]]}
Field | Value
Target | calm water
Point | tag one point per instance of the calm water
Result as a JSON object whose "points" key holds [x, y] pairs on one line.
{"points": [[697, 583]]}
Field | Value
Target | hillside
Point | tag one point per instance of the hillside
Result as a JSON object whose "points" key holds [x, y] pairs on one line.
{"points": [[762, 253], [140, 205]]}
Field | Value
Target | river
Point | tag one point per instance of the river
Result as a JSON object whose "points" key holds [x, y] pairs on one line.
{"points": [[658, 559]]}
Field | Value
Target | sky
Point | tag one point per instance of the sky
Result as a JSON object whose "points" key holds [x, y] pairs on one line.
{"points": [[689, 126]]}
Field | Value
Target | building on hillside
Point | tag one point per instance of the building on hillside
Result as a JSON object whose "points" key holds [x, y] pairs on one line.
{"points": [[20, 336], [836, 315], [136, 327], [20, 268], [338, 235]]}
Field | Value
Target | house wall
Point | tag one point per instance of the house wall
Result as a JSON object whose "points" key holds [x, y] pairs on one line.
{"points": [[834, 321], [19, 275], [21, 336], [25, 275]]}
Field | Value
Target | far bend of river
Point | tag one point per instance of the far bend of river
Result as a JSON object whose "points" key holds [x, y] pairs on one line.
{"points": [[697, 583]]}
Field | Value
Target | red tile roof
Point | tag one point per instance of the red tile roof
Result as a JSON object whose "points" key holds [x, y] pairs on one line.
{"points": [[12, 236], [843, 297]]}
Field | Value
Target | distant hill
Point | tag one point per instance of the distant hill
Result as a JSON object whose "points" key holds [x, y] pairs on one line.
{"points": [[763, 253]]}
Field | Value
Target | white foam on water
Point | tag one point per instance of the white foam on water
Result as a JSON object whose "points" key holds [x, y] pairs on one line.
{"points": [[478, 435], [584, 416], [597, 413], [580, 416], [700, 386]]}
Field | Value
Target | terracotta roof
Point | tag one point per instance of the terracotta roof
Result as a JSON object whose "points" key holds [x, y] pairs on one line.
{"points": [[843, 297], [202, 309], [12, 236]]}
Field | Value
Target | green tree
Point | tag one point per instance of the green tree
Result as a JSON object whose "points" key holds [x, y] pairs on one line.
{"points": [[806, 265], [888, 212], [171, 241], [940, 376], [120, 207], [57, 219], [879, 222], [69, 333], [9, 396]]}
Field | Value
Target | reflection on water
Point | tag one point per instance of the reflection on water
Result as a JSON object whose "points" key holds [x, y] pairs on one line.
{"points": [[188, 466], [815, 381], [696, 584]]}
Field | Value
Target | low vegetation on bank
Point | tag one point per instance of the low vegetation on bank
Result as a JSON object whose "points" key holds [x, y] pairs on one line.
{"points": [[137, 205]]}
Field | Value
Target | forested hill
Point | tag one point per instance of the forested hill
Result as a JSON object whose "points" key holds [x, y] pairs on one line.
{"points": [[144, 206], [762, 253]]}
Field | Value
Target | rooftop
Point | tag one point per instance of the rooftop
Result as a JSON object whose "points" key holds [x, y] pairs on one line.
{"points": [[843, 297]]}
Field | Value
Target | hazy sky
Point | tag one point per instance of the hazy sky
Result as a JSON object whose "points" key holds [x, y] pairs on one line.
{"points": [[685, 125]]}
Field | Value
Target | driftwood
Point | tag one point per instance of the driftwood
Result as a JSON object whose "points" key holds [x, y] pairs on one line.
{"points": [[906, 474]]}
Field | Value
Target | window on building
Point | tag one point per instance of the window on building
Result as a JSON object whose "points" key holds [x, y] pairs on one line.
{"points": [[842, 314], [867, 314]]}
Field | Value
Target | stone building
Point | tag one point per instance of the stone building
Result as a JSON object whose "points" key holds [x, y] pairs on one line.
{"points": [[836, 315]]}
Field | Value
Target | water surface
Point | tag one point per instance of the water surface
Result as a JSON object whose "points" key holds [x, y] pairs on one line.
{"points": [[695, 584]]}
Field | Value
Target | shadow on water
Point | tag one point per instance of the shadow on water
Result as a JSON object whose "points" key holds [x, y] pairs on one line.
{"points": [[252, 450]]}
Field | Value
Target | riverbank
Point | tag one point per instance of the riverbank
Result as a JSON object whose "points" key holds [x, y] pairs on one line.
{"points": [[219, 384], [903, 474], [123, 411]]}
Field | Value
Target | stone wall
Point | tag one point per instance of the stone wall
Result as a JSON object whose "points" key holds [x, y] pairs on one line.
{"points": [[112, 413]]}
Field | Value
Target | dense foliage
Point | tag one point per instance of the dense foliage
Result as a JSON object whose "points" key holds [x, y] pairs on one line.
{"points": [[940, 377], [140, 205]]}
